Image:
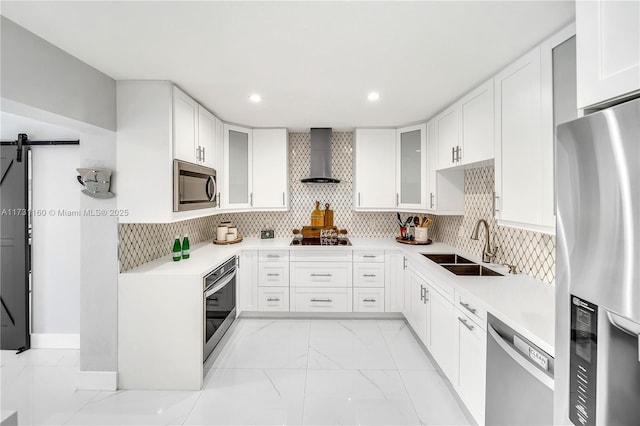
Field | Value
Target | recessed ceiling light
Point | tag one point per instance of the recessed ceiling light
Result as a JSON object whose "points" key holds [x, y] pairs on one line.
{"points": [[255, 98], [373, 96]]}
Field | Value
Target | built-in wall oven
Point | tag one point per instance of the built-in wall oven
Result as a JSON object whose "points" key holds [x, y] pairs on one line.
{"points": [[219, 304], [194, 187]]}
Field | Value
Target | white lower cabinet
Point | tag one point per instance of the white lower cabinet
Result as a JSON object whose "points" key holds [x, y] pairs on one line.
{"points": [[368, 299], [247, 284], [472, 348], [273, 299], [416, 304], [318, 299], [443, 328]]}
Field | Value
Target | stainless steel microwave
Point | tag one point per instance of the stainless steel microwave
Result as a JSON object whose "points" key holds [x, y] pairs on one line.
{"points": [[194, 187]]}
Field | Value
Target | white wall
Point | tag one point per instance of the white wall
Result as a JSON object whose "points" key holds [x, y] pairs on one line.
{"points": [[36, 73]]}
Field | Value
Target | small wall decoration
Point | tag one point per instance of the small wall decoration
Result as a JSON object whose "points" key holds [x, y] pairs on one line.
{"points": [[96, 182]]}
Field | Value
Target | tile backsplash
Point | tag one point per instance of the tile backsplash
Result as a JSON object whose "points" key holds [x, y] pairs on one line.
{"points": [[533, 253]]}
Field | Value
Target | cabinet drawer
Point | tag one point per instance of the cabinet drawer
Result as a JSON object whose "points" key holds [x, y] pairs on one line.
{"points": [[368, 300], [314, 299], [376, 256], [273, 256], [368, 274], [273, 274], [470, 307], [273, 299], [328, 254], [319, 274]]}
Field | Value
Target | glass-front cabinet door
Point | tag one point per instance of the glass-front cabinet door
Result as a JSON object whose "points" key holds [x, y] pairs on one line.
{"points": [[411, 168], [237, 172]]}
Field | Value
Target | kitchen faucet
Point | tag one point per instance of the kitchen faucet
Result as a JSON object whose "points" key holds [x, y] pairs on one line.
{"points": [[487, 255]]}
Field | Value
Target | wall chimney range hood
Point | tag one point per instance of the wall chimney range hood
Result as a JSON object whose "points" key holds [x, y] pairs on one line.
{"points": [[320, 170]]}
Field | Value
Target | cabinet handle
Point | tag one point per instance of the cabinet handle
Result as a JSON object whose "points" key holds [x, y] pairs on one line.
{"points": [[251, 199], [277, 256], [426, 296], [321, 275], [321, 300], [458, 154], [453, 154], [369, 275], [358, 199], [468, 307], [273, 299], [368, 300], [369, 256], [495, 202], [466, 324], [283, 199], [273, 275], [219, 203], [397, 199], [404, 262], [431, 199], [421, 293], [204, 155]]}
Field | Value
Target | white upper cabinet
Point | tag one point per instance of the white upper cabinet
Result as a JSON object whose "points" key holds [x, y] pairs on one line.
{"points": [[448, 133], [375, 169], [608, 50], [477, 125], [185, 127], [519, 142], [465, 130], [411, 170], [237, 171], [205, 148], [524, 170], [445, 191], [270, 169]]}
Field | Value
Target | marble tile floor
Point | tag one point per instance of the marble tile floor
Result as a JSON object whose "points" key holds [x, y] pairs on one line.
{"points": [[312, 372]]}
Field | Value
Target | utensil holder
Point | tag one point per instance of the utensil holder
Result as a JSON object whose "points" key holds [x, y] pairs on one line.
{"points": [[422, 234]]}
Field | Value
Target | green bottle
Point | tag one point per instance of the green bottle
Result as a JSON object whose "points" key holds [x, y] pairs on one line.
{"points": [[177, 251], [185, 246]]}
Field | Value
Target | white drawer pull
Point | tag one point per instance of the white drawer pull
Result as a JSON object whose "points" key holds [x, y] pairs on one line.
{"points": [[277, 256], [466, 324], [273, 299], [273, 275], [369, 255], [368, 300], [321, 275], [322, 300], [468, 307], [369, 275]]}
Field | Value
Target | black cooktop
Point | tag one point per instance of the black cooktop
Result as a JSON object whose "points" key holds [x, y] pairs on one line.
{"points": [[320, 242]]}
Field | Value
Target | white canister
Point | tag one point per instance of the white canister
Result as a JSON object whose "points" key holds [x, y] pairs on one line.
{"points": [[221, 233], [421, 234], [230, 236], [233, 230]]}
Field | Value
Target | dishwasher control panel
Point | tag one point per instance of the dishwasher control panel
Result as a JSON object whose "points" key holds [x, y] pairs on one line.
{"points": [[583, 362]]}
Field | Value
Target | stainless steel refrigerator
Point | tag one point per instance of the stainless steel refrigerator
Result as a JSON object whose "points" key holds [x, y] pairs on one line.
{"points": [[597, 375]]}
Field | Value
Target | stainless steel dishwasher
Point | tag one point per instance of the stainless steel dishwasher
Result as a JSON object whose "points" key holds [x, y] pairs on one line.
{"points": [[519, 379]]}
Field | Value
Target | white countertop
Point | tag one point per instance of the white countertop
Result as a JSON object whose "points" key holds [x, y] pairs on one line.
{"points": [[524, 303]]}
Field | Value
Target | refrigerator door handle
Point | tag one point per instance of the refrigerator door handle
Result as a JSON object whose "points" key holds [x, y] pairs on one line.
{"points": [[522, 362]]}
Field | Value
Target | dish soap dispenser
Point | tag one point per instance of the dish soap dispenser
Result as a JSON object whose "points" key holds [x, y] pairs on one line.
{"points": [[177, 249], [317, 216]]}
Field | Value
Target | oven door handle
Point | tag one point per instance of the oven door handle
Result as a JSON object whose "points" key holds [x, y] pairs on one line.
{"points": [[219, 284], [519, 359]]}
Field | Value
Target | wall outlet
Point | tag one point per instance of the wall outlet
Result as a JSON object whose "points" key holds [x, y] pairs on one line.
{"points": [[461, 231]]}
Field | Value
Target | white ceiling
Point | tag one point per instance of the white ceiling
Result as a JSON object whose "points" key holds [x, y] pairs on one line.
{"points": [[313, 62]]}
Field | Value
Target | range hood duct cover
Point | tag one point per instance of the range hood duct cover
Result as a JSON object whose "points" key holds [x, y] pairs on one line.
{"points": [[320, 170]]}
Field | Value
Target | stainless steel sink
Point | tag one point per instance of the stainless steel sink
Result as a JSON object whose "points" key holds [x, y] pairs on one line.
{"points": [[460, 265], [447, 258], [472, 270]]}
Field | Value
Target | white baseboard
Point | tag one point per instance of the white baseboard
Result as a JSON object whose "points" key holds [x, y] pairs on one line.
{"points": [[97, 380], [55, 341]]}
